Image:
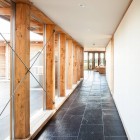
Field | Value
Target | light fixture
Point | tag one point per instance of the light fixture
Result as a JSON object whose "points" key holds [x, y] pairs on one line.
{"points": [[82, 5]]}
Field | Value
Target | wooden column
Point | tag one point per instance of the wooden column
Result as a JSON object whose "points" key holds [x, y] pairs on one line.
{"points": [[70, 64], [74, 64], [62, 64], [50, 67], [82, 67], [22, 48], [78, 63]]}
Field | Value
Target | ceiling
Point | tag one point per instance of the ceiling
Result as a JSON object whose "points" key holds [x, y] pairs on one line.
{"points": [[90, 22]]}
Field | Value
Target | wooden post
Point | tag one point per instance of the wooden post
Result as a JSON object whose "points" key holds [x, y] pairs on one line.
{"points": [[22, 48], [50, 67], [81, 62], [78, 63], [74, 64], [62, 64], [82, 67], [70, 64]]}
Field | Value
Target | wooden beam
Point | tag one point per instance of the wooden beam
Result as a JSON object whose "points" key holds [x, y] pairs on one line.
{"points": [[40, 16], [62, 64], [70, 64], [22, 94], [5, 3], [50, 67], [5, 11], [34, 23]]}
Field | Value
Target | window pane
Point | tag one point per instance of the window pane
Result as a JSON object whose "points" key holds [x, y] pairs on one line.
{"points": [[96, 59], [85, 60]]}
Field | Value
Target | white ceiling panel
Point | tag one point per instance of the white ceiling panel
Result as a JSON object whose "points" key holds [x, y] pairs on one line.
{"points": [[87, 21]]}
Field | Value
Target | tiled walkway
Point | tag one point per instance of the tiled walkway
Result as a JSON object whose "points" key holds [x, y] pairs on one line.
{"points": [[89, 114]]}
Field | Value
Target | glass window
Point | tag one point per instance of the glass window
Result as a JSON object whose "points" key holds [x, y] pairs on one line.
{"points": [[4, 80], [37, 60], [102, 59], [90, 61], [96, 59], [85, 60]]}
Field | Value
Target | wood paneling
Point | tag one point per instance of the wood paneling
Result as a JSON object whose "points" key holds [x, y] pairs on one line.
{"points": [[62, 64], [70, 64], [50, 67], [22, 95]]}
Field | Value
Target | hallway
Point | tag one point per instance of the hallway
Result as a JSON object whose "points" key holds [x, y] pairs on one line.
{"points": [[88, 114]]}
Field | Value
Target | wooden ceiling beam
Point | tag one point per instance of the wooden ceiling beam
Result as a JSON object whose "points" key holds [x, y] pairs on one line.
{"points": [[5, 11], [34, 23], [4, 3], [40, 16]]}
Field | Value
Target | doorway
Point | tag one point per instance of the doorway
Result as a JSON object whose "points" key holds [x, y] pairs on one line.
{"points": [[93, 60]]}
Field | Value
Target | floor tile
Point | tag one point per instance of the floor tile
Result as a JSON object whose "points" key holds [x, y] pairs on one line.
{"points": [[91, 132], [92, 117], [114, 130]]}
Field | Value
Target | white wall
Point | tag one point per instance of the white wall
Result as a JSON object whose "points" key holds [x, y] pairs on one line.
{"points": [[108, 64], [127, 70]]}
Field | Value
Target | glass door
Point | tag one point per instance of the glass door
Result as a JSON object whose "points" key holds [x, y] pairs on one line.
{"points": [[85, 60], [96, 59], [102, 59], [90, 61]]}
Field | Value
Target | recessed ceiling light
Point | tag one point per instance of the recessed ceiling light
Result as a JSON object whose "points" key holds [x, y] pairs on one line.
{"points": [[82, 5], [93, 44]]}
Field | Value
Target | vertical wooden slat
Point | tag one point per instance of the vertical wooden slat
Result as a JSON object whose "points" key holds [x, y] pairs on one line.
{"points": [[62, 64], [70, 64], [22, 94], [50, 67]]}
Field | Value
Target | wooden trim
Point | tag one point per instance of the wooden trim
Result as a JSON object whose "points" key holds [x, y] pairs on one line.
{"points": [[62, 64]]}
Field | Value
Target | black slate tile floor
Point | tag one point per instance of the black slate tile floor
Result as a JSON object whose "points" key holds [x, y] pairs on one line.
{"points": [[89, 114]]}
